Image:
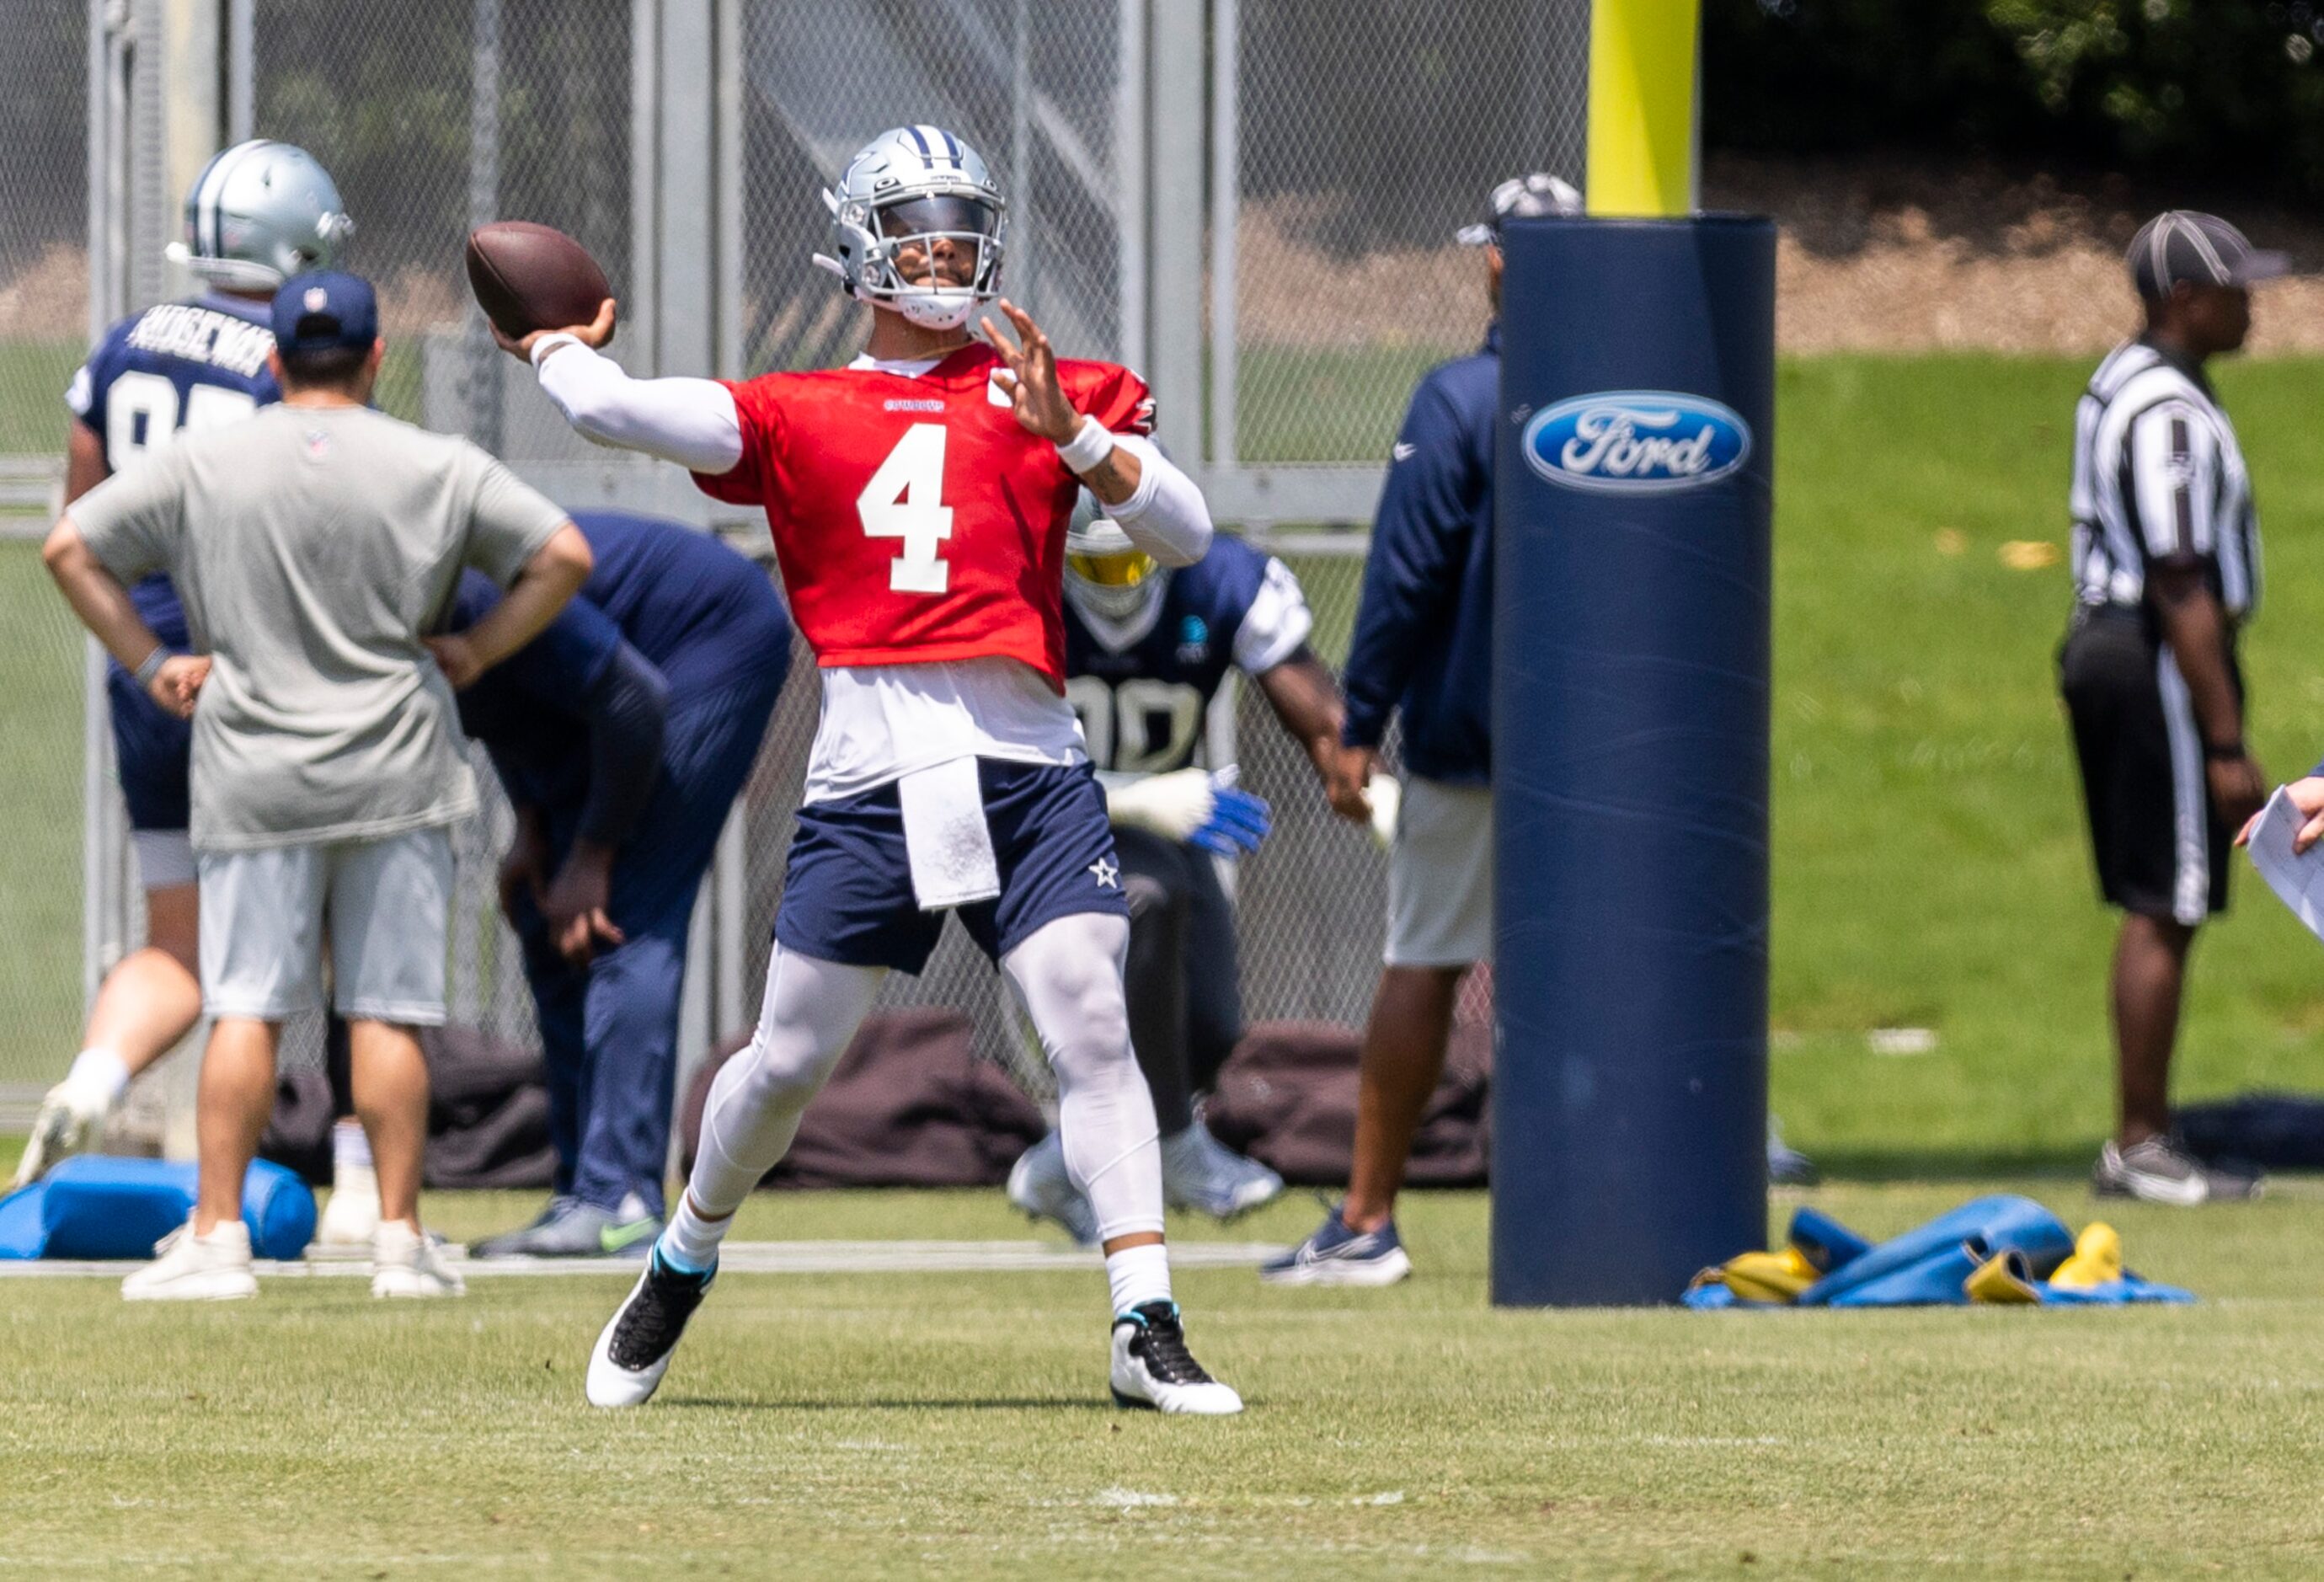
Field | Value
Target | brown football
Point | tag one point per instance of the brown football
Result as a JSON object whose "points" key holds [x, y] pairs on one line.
{"points": [[530, 277]]}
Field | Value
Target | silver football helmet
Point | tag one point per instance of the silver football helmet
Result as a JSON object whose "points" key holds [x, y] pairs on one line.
{"points": [[1107, 577], [923, 189], [259, 213]]}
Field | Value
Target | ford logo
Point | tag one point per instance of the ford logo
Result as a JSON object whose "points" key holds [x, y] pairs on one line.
{"points": [[1636, 442]]}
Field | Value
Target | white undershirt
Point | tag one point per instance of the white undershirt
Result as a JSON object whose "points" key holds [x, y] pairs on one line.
{"points": [[879, 722]]}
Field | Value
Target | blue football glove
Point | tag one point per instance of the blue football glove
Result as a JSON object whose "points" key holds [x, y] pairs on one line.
{"points": [[1238, 821]]}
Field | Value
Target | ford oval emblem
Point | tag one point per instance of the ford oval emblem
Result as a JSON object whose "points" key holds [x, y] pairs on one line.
{"points": [[1636, 442]]}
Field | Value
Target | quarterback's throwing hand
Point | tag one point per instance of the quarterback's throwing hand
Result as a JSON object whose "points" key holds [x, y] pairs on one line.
{"points": [[1030, 379], [592, 335]]}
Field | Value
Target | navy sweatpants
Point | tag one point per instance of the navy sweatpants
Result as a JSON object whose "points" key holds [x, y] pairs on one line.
{"points": [[609, 1033]]}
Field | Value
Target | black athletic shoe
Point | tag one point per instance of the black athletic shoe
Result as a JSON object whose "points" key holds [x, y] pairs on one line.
{"points": [[1153, 1368], [634, 1351]]}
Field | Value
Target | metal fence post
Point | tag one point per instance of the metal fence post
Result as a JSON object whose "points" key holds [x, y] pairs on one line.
{"points": [[1226, 210], [482, 356], [1175, 126]]}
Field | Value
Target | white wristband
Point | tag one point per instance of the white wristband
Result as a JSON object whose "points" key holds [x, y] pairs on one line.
{"points": [[550, 343], [1091, 444], [151, 666]]}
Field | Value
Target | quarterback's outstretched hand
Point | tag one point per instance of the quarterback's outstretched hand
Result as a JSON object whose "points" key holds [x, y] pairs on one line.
{"points": [[591, 335], [1030, 380]]}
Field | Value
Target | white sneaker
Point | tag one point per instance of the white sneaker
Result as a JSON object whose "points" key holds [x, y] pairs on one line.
{"points": [[1153, 1368], [71, 1119], [351, 1214], [215, 1268], [409, 1262]]}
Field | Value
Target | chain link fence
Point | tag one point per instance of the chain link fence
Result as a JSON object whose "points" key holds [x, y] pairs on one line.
{"points": [[434, 118], [1031, 85], [1367, 136], [43, 313]]}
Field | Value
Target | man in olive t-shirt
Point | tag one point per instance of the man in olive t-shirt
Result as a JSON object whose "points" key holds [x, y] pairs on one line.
{"points": [[315, 546]]}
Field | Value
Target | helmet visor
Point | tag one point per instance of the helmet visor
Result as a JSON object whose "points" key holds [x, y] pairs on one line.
{"points": [[1130, 570], [938, 239]]}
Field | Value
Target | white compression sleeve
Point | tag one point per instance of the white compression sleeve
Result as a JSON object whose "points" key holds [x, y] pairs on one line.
{"points": [[1166, 515], [811, 1010], [690, 421], [1068, 978]]}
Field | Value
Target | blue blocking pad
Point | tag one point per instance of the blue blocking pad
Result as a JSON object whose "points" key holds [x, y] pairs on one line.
{"points": [[95, 1207], [21, 1235]]}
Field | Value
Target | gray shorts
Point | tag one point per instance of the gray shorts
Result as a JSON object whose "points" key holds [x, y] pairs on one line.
{"points": [[385, 906], [1440, 876]]}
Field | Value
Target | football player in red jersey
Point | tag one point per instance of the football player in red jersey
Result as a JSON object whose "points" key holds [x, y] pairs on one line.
{"points": [[918, 500]]}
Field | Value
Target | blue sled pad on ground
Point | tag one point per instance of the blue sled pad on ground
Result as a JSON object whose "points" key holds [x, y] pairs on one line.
{"points": [[93, 1206], [2002, 1250]]}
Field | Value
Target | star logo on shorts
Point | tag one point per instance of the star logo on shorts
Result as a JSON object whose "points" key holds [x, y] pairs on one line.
{"points": [[1108, 874]]}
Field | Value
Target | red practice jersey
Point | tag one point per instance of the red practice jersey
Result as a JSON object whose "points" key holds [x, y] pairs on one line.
{"points": [[916, 520]]}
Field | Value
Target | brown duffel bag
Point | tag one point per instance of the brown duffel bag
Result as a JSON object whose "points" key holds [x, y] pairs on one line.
{"points": [[1287, 1097], [909, 1106]]}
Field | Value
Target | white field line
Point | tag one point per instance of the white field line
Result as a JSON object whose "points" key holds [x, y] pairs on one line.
{"points": [[751, 1258]]}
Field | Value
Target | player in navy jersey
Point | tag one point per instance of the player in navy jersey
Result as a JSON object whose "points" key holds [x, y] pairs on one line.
{"points": [[258, 214], [621, 735], [1147, 649]]}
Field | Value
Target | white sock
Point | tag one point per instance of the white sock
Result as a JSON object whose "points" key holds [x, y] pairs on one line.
{"points": [[689, 1242], [100, 1071], [350, 1148], [1138, 1275]]}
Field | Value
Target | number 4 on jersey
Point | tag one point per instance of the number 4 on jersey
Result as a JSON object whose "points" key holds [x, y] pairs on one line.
{"points": [[904, 501]]}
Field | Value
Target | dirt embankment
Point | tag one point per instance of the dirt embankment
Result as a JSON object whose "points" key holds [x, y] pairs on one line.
{"points": [[1879, 254], [1897, 255]]}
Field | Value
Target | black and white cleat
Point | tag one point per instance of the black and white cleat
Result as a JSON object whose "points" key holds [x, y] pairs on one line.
{"points": [[634, 1351], [1153, 1369]]}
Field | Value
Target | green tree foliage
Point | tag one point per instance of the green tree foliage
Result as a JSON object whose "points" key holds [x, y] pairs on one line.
{"points": [[2234, 91]]}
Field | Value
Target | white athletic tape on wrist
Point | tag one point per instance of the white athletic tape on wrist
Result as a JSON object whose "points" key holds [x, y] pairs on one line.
{"points": [[151, 666], [1092, 443]]}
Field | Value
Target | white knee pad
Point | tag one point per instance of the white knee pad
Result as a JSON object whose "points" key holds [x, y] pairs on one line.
{"points": [[812, 1008], [1068, 978]]}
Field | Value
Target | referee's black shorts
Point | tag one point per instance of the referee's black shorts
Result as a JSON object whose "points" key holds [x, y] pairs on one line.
{"points": [[2161, 846]]}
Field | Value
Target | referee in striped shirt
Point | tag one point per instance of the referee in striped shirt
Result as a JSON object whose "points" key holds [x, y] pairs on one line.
{"points": [[2166, 571]]}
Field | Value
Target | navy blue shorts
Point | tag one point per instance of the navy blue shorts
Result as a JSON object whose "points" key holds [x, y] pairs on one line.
{"points": [[150, 748], [847, 894]]}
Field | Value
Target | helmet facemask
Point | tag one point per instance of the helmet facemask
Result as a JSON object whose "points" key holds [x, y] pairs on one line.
{"points": [[935, 257]]}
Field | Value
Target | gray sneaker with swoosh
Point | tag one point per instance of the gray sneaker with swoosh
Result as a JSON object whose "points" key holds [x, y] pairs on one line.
{"points": [[2157, 1170], [1337, 1256]]}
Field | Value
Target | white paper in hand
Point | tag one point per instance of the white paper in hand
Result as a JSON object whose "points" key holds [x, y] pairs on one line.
{"points": [[2297, 878]]}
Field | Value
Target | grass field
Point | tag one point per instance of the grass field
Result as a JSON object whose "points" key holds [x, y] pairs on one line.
{"points": [[896, 1424]]}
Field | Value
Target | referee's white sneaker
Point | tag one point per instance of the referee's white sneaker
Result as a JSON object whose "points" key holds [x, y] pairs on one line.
{"points": [[213, 1268], [1153, 1369], [2156, 1170], [406, 1261]]}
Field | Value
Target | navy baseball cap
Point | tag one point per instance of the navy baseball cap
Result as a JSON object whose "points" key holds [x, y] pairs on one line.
{"points": [[325, 311], [2201, 249]]}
